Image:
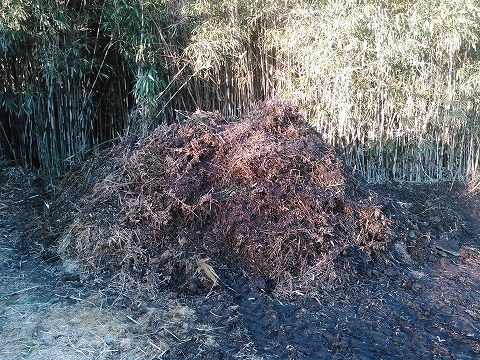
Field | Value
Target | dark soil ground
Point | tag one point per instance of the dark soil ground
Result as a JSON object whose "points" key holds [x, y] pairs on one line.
{"points": [[416, 297], [426, 306]]}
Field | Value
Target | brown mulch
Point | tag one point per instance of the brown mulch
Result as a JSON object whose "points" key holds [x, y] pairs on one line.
{"points": [[264, 195]]}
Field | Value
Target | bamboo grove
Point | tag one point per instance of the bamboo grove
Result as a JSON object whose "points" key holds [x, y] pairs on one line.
{"points": [[394, 85]]}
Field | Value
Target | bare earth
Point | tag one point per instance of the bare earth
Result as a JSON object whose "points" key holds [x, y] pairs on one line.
{"points": [[421, 302]]}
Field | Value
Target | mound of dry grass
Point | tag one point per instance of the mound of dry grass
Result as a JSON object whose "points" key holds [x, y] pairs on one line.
{"points": [[263, 194]]}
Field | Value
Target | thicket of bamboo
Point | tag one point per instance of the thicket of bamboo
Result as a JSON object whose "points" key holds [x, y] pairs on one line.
{"points": [[394, 85], [59, 96]]}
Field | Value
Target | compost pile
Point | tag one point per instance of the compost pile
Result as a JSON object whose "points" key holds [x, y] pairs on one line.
{"points": [[263, 196]]}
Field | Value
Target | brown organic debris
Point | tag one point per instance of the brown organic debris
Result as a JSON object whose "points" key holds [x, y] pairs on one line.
{"points": [[264, 194]]}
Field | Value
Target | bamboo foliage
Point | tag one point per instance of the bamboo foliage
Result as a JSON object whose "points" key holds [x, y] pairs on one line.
{"points": [[151, 36], [52, 72], [385, 82], [227, 49], [394, 85]]}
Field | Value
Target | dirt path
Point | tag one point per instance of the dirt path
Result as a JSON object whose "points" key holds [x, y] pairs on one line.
{"points": [[423, 304]]}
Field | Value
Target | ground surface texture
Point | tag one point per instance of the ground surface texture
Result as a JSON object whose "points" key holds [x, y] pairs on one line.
{"points": [[402, 262]]}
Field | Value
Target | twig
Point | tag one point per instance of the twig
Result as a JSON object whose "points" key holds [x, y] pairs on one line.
{"points": [[74, 298], [132, 319], [474, 187], [158, 348], [175, 336], [210, 329], [23, 290]]}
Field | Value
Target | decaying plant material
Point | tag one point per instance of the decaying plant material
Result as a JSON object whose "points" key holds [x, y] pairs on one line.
{"points": [[264, 195]]}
